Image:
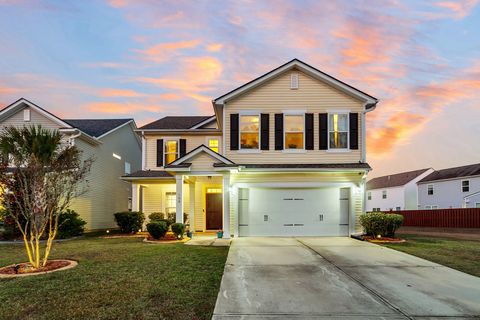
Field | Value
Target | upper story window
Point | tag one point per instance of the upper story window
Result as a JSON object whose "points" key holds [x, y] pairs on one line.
{"points": [[294, 125], [384, 194], [213, 144], [338, 131], [465, 186], [369, 195], [171, 151], [249, 131], [430, 189], [128, 169]]}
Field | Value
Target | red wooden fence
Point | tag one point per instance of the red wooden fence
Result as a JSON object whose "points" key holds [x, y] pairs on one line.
{"points": [[442, 218]]}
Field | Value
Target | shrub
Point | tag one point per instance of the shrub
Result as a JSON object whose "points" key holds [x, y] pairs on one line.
{"points": [[129, 221], [171, 217], [156, 216], [178, 229], [157, 229], [70, 224], [379, 223]]}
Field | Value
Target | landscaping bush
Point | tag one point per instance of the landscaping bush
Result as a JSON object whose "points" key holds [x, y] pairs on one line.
{"points": [[129, 221], [171, 217], [157, 229], [178, 229], [156, 216], [70, 225], [379, 223]]}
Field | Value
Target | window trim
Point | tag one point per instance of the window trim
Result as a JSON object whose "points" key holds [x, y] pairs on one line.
{"points": [[293, 113], [165, 140], [347, 113], [461, 185], [433, 189], [248, 113], [207, 142]]}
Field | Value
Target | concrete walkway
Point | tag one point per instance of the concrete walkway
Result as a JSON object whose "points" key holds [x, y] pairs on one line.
{"points": [[339, 278]]}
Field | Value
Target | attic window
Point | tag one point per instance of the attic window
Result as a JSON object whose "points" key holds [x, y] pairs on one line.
{"points": [[26, 114], [294, 81]]}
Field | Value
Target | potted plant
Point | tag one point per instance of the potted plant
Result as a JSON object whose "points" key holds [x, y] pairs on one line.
{"points": [[189, 233], [220, 234]]}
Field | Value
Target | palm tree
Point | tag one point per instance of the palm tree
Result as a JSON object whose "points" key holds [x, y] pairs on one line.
{"points": [[39, 176]]}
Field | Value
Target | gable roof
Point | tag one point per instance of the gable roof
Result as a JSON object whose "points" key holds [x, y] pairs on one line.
{"points": [[194, 152], [370, 101], [97, 127], [176, 122], [394, 180], [451, 173]]}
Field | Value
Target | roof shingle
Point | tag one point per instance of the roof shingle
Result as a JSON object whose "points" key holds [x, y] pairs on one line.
{"points": [[450, 173], [394, 180], [175, 122], [96, 127]]}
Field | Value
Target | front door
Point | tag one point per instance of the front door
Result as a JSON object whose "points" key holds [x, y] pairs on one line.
{"points": [[214, 211]]}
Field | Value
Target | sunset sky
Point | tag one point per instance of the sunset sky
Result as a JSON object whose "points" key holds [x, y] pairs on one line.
{"points": [[147, 59]]}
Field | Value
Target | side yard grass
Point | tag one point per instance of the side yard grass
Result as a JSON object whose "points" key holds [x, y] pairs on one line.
{"points": [[463, 255], [116, 279]]}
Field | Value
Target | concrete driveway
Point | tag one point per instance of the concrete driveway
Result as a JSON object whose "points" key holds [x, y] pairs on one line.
{"points": [[339, 278]]}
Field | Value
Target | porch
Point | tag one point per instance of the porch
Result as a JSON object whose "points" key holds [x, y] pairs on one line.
{"points": [[202, 202]]}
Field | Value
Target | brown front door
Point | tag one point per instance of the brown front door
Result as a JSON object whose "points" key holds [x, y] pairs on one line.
{"points": [[214, 211]]}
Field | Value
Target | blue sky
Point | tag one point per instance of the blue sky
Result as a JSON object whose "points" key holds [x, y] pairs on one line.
{"points": [[146, 59]]}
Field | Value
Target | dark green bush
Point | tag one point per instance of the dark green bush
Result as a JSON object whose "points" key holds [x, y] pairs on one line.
{"points": [[178, 229], [171, 217], [129, 221], [70, 225], [157, 229], [379, 223], [156, 216]]}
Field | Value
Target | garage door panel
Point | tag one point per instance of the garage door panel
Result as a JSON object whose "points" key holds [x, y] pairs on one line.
{"points": [[291, 212]]}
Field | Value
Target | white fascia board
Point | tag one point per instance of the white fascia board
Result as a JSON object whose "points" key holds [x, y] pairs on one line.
{"points": [[204, 122], [200, 149], [450, 179], [82, 135]]}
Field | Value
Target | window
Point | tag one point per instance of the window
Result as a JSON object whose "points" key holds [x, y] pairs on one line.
{"points": [[384, 194], [127, 168], [249, 131], [214, 190], [430, 189], [26, 114], [398, 208], [294, 81], [376, 209], [170, 204], [369, 196], [294, 126], [213, 144], [338, 131], [171, 151], [434, 207], [428, 207], [477, 204], [465, 186]]}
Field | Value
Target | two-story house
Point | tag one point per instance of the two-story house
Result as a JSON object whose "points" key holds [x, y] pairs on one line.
{"points": [[457, 187], [114, 145], [283, 155], [396, 191]]}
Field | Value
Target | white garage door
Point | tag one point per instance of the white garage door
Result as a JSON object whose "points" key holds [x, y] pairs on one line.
{"points": [[293, 212]]}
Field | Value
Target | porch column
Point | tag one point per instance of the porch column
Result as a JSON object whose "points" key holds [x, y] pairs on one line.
{"points": [[135, 196], [226, 205], [192, 206], [179, 204]]}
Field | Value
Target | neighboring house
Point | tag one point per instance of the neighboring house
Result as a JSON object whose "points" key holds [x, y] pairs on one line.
{"points": [[283, 155], [457, 187], [395, 192], [114, 145]]}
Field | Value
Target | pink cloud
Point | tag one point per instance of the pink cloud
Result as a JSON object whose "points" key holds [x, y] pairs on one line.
{"points": [[460, 8], [121, 107], [125, 93], [162, 52]]}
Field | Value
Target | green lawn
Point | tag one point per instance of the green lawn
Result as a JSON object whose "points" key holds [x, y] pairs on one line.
{"points": [[116, 279], [463, 255]]}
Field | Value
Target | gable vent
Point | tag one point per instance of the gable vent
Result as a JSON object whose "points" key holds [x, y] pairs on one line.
{"points": [[26, 114], [294, 81]]}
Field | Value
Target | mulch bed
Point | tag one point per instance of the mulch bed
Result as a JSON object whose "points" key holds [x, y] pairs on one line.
{"points": [[25, 268], [382, 239]]}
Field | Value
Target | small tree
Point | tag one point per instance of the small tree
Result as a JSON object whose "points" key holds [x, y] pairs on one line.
{"points": [[39, 177]]}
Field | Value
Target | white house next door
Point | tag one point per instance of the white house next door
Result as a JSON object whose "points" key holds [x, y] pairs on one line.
{"points": [[293, 211]]}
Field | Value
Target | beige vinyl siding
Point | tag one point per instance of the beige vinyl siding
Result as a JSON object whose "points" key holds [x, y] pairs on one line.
{"points": [[193, 141], [202, 162], [36, 118], [107, 193], [275, 96], [155, 195]]}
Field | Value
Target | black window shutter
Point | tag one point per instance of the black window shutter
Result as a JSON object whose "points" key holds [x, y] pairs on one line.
{"points": [[279, 131], [309, 131], [323, 130], [264, 130], [354, 131], [159, 152], [234, 131], [183, 147]]}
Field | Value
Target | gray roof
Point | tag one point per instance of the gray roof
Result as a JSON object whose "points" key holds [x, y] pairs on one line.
{"points": [[394, 180], [149, 174], [96, 127], [176, 122], [450, 173]]}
